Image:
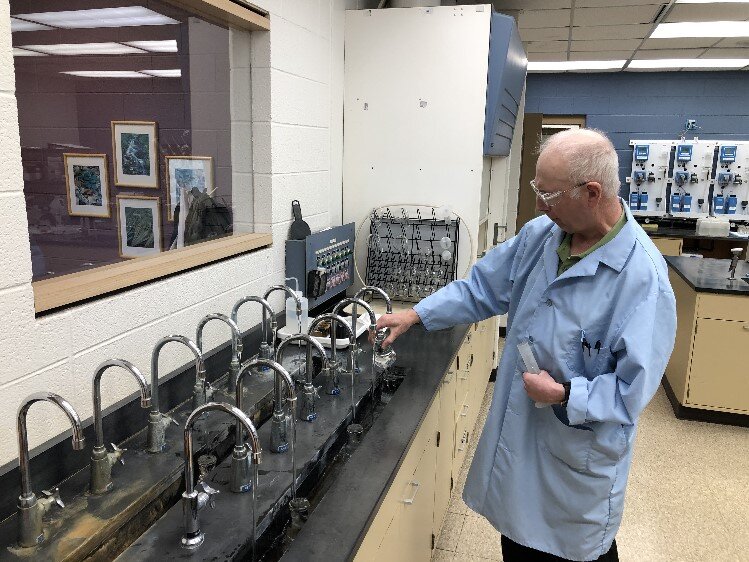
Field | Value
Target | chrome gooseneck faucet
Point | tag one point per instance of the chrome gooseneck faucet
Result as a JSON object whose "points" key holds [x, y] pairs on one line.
{"points": [[239, 480], [269, 330], [279, 440], [369, 289], [102, 461], [291, 294], [332, 382], [307, 410], [736, 252], [192, 500], [203, 392], [158, 422], [356, 302], [30, 509]]}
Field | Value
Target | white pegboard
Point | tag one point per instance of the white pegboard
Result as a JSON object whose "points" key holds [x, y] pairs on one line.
{"points": [[691, 177], [649, 177], [732, 178]]}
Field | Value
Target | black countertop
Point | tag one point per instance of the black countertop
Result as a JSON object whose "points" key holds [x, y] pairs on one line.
{"points": [[711, 275], [341, 519], [672, 232]]}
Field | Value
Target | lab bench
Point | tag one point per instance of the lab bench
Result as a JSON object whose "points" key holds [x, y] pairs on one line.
{"points": [[705, 377], [674, 241]]}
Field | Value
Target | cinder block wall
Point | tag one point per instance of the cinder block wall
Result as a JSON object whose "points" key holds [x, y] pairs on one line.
{"points": [[646, 105], [297, 128]]}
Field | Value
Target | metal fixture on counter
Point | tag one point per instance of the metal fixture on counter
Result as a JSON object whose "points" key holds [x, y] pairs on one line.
{"points": [[30, 509], [102, 461], [299, 312], [268, 333], [307, 410], [356, 302], [279, 441], [192, 500], [331, 385], [240, 461], [734, 262], [203, 391], [158, 422]]}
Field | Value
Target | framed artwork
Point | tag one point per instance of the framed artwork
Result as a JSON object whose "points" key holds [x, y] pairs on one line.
{"points": [[87, 183], [135, 150], [189, 172], [138, 225]]}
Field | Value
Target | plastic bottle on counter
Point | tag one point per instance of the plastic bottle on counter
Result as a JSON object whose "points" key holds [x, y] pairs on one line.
{"points": [[292, 321]]}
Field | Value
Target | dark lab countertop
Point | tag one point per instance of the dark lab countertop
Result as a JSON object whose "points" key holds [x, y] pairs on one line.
{"points": [[341, 519], [710, 275], [671, 232]]}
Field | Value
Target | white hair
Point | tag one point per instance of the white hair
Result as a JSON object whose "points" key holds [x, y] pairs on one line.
{"points": [[591, 157]]}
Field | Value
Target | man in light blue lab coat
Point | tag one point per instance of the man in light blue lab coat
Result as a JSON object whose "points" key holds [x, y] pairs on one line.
{"points": [[589, 291]]}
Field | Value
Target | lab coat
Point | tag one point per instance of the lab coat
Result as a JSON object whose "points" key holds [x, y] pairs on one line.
{"points": [[554, 478]]}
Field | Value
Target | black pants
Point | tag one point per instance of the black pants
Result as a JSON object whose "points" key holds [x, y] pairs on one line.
{"points": [[514, 552]]}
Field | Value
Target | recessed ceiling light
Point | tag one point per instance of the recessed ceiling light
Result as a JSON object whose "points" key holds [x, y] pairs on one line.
{"points": [[20, 25], [701, 29], [689, 63], [167, 73], [106, 74], [575, 65], [166, 46], [24, 53], [100, 17], [84, 49]]}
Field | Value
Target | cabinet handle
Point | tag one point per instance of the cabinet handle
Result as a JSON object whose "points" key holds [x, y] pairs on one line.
{"points": [[464, 411], [746, 327], [416, 485], [463, 441], [464, 375]]}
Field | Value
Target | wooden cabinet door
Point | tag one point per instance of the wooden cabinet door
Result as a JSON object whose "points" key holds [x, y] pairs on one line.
{"points": [[445, 445], [717, 377]]}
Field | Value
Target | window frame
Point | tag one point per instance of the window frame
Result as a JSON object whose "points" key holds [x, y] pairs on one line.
{"points": [[74, 288]]}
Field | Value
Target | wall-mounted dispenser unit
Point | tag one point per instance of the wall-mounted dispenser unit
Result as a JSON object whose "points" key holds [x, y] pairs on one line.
{"points": [[691, 178], [730, 190], [648, 181]]}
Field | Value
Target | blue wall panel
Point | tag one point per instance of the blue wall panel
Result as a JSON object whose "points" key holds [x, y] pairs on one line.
{"points": [[652, 105]]}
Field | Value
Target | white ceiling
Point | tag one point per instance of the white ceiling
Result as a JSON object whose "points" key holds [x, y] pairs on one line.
{"points": [[560, 30]]}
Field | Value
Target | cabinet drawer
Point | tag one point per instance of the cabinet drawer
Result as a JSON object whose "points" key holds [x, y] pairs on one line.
{"points": [[723, 307]]}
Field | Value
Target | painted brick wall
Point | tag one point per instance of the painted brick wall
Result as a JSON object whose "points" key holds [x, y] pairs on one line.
{"points": [[646, 105], [296, 152]]}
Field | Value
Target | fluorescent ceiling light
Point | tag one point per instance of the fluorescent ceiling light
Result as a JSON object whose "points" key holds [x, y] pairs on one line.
{"points": [[166, 46], [84, 49], [100, 17], [576, 65], [689, 63], [712, 1], [106, 74], [701, 29], [168, 73], [24, 53], [20, 25]]}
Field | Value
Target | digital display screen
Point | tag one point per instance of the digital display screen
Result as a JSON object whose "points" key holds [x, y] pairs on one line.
{"points": [[728, 154], [642, 152], [684, 153]]}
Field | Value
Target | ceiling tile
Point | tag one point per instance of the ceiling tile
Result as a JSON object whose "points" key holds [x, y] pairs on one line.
{"points": [[708, 12], [602, 55], [546, 46], [614, 16], [590, 33], [500, 5], [544, 34], [732, 42], [681, 43], [544, 18], [726, 53], [547, 57], [613, 3], [669, 54], [606, 45]]}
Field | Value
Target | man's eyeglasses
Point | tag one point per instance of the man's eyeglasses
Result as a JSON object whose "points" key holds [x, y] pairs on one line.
{"points": [[551, 198]]}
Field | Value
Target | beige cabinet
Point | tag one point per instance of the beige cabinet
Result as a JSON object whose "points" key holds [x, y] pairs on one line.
{"points": [[668, 246], [705, 369], [411, 515]]}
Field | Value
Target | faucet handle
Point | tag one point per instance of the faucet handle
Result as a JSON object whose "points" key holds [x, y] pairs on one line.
{"points": [[316, 391], [210, 492], [118, 452], [54, 496]]}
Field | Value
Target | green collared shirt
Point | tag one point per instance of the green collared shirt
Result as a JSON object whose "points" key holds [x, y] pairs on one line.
{"points": [[567, 260]]}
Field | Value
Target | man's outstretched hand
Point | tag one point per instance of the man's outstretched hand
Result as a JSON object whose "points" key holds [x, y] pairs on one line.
{"points": [[398, 322]]}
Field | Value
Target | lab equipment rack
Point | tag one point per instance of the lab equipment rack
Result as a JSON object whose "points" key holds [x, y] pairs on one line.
{"points": [[409, 256]]}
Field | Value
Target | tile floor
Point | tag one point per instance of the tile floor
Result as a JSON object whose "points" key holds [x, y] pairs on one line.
{"points": [[687, 498]]}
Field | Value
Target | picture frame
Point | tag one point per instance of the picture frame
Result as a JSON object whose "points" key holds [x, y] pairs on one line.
{"points": [[138, 225], [87, 185], [135, 154], [188, 172]]}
